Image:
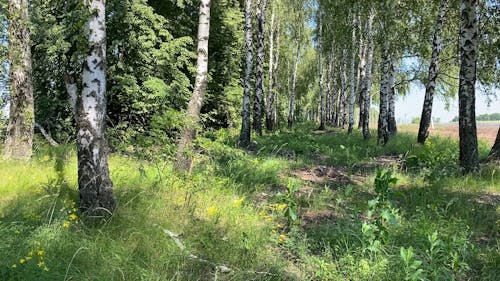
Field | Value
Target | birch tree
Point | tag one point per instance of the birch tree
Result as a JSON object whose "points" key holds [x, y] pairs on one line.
{"points": [[94, 183], [430, 89], [246, 123], [352, 79], [20, 129], [260, 14], [366, 88], [291, 102], [194, 108], [320, 73], [383, 132], [270, 98], [391, 108], [469, 159]]}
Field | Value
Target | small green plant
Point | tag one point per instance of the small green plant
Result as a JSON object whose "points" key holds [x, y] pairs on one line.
{"points": [[412, 269], [289, 198], [381, 214]]}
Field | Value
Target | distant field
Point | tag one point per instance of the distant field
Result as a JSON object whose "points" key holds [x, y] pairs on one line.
{"points": [[486, 131]]}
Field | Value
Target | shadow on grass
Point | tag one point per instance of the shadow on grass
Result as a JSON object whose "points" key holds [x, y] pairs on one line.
{"points": [[467, 224]]}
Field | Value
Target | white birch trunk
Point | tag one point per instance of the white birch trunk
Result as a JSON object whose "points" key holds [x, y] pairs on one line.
{"points": [[270, 93], [95, 186], [352, 96], [291, 104], [246, 122], [437, 46], [469, 159], [192, 120], [368, 77]]}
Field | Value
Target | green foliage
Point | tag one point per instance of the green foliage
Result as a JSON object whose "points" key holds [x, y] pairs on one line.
{"points": [[413, 271], [435, 159], [228, 212], [290, 199]]}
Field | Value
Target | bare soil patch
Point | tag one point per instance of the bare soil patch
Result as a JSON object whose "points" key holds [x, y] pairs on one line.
{"points": [[323, 174], [310, 217]]}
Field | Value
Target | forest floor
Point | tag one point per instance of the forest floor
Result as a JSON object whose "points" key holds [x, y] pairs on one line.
{"points": [[300, 205]]}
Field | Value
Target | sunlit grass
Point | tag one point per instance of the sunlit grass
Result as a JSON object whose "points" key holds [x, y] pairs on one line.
{"points": [[225, 214]]}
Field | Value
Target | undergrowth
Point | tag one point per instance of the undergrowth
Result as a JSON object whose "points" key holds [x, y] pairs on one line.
{"points": [[249, 212]]}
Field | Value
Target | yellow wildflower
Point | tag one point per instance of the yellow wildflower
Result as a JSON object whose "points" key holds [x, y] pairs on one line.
{"points": [[237, 203], [66, 224], [41, 264], [282, 238], [212, 211], [14, 265], [40, 253], [21, 261], [73, 217], [269, 218], [281, 207], [262, 213]]}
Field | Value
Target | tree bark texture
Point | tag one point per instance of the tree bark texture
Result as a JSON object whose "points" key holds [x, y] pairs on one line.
{"points": [[94, 183], [20, 129], [192, 120], [322, 100], [391, 110], [383, 132], [246, 119], [343, 110], [430, 89], [469, 159], [361, 72], [270, 125], [291, 104], [366, 88], [260, 14], [352, 80]]}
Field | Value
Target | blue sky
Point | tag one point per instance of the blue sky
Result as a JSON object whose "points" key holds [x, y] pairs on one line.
{"points": [[411, 105]]}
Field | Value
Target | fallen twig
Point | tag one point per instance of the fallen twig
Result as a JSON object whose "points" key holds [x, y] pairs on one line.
{"points": [[46, 135]]}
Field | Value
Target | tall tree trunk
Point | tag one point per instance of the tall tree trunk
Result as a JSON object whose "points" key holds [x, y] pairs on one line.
{"points": [[495, 150], [368, 78], [361, 71], [437, 46], [275, 81], [270, 94], [246, 121], [328, 89], [469, 159], [343, 112], [322, 103], [189, 131], [20, 130], [259, 79], [291, 104], [352, 96], [94, 184], [383, 133], [391, 110]]}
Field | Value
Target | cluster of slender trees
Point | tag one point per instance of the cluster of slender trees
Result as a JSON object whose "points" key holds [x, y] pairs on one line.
{"points": [[351, 38]]}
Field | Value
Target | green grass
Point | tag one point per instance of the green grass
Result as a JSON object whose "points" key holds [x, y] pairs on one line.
{"points": [[229, 212]]}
